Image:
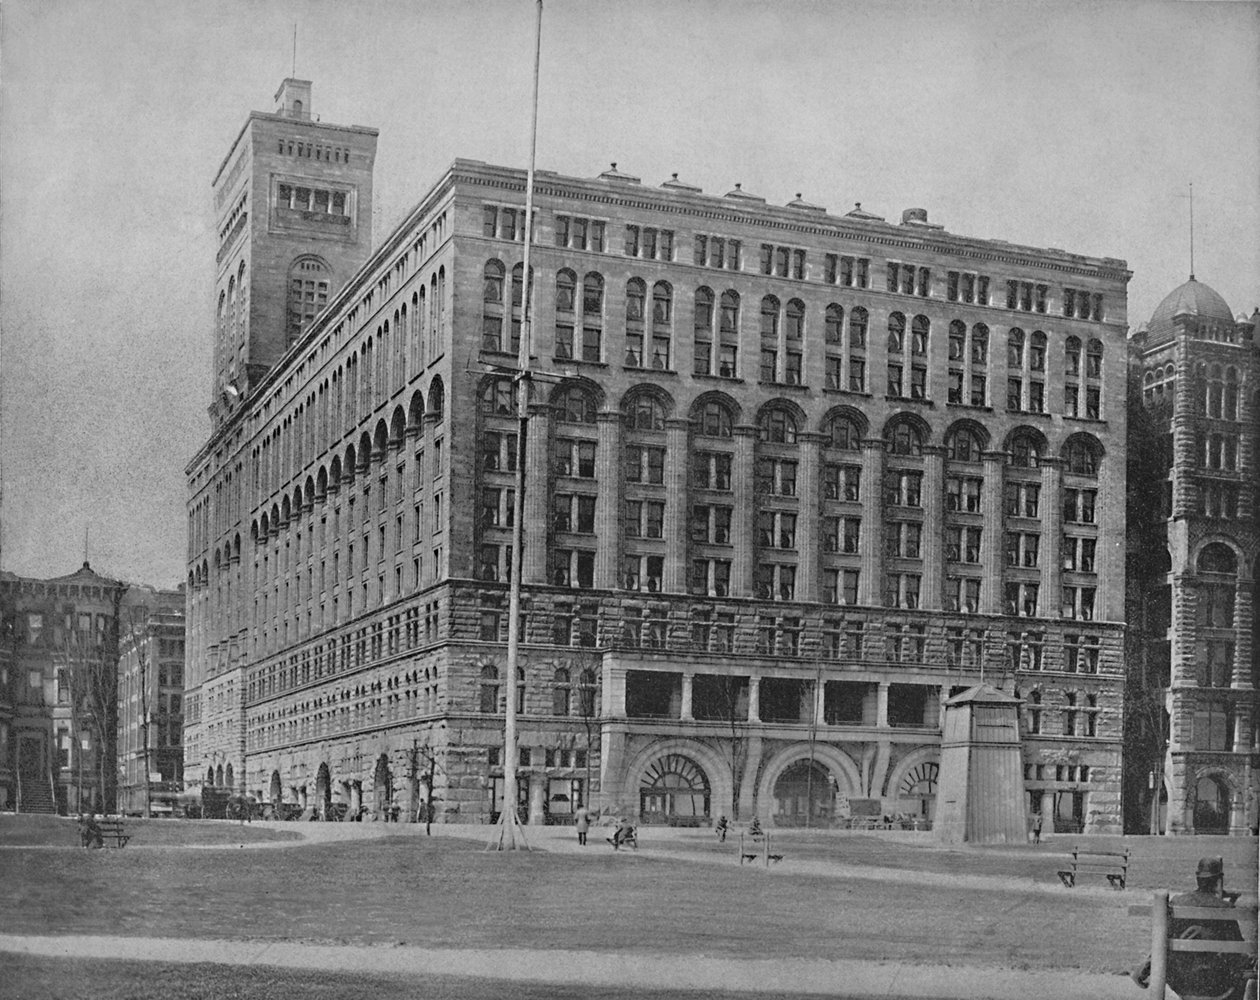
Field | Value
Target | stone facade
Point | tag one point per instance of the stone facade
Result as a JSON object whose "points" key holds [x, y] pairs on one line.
{"points": [[1193, 546], [790, 479]]}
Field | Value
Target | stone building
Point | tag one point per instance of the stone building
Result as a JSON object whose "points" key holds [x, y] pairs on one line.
{"points": [[791, 479], [58, 645], [150, 701], [1193, 544]]}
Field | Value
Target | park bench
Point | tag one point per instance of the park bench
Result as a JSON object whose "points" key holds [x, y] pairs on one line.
{"points": [[113, 830], [1164, 942], [1113, 864], [756, 845]]}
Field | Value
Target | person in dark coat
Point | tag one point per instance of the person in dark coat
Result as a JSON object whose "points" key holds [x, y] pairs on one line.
{"points": [[582, 820], [1204, 973], [720, 828]]}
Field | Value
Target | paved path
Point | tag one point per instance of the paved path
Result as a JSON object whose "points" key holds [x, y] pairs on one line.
{"points": [[604, 969]]}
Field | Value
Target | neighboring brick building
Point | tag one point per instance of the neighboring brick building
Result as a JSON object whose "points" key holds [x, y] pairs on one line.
{"points": [[791, 479], [57, 637], [1193, 519], [150, 700]]}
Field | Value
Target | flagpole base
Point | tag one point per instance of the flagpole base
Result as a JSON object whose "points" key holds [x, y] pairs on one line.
{"points": [[509, 833]]}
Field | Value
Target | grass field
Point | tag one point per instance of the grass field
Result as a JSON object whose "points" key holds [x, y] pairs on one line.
{"points": [[58, 831], [834, 897]]}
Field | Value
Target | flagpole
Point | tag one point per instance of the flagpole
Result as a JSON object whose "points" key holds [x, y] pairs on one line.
{"points": [[511, 835]]}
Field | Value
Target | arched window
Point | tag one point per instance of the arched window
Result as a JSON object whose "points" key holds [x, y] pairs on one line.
{"points": [[843, 432], [896, 333], [636, 298], [777, 426], [964, 445], [1094, 359], [498, 398], [1015, 349], [492, 306], [728, 334], [858, 322], [566, 295], [795, 315], [520, 690], [770, 318], [644, 412], [1037, 352], [592, 317], [586, 693], [903, 438], [662, 326], [309, 279], [566, 291], [575, 405], [1025, 451], [492, 283], [488, 700], [715, 420], [1072, 356], [1217, 557], [920, 328], [1080, 457], [833, 324], [560, 692], [1229, 410], [702, 332]]}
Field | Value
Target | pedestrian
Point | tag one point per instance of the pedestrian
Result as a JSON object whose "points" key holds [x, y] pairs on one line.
{"points": [[1222, 976], [623, 833], [1036, 825], [720, 828], [90, 832], [582, 820], [754, 828]]}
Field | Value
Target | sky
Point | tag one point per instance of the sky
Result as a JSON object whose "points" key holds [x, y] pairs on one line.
{"points": [[1072, 125]]}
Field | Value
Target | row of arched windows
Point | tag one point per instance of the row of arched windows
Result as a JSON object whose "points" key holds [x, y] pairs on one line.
{"points": [[781, 422]]}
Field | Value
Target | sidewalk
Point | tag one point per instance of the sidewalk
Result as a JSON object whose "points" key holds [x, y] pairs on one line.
{"points": [[605, 969]]}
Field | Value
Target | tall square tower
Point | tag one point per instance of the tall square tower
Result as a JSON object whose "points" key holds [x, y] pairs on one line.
{"points": [[293, 208]]}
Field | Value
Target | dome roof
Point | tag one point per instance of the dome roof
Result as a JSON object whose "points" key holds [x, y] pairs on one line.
{"points": [[1191, 299]]}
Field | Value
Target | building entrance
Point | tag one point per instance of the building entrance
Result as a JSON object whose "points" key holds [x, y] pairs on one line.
{"points": [[1211, 806], [803, 794], [674, 790]]}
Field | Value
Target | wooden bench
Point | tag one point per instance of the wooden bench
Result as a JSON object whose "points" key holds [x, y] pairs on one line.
{"points": [[113, 830], [1113, 864], [1163, 942], [756, 845]]}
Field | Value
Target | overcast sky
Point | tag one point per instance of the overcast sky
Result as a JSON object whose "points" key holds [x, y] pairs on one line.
{"points": [[1073, 125]]}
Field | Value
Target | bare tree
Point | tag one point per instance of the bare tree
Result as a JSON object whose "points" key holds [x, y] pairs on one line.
{"points": [[725, 697], [137, 628], [588, 709], [91, 665]]}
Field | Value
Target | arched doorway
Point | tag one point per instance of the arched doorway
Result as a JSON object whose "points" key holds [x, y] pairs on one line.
{"points": [[277, 790], [382, 785], [674, 790], [805, 793], [229, 777], [218, 776], [918, 785], [1211, 805], [323, 792], [210, 776]]}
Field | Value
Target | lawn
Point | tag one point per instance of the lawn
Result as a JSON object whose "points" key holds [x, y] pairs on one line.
{"points": [[447, 893], [31, 978], [62, 831]]}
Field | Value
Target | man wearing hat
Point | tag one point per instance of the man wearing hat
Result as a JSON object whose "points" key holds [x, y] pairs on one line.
{"points": [[1204, 973]]}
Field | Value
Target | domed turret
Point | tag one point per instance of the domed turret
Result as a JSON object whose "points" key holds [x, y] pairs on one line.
{"points": [[1193, 299]]}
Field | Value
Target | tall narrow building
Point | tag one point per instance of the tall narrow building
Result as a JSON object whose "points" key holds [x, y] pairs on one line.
{"points": [[1193, 518], [293, 207], [793, 479]]}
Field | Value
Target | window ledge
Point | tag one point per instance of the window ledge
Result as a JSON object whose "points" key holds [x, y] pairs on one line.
{"points": [[846, 392], [910, 399], [1086, 420], [969, 406], [727, 379], [579, 362], [1030, 413], [795, 386], [651, 371]]}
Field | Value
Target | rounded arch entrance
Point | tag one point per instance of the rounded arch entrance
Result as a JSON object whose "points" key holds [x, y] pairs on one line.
{"points": [[678, 782], [276, 791], [1213, 802], [789, 782], [912, 784]]}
